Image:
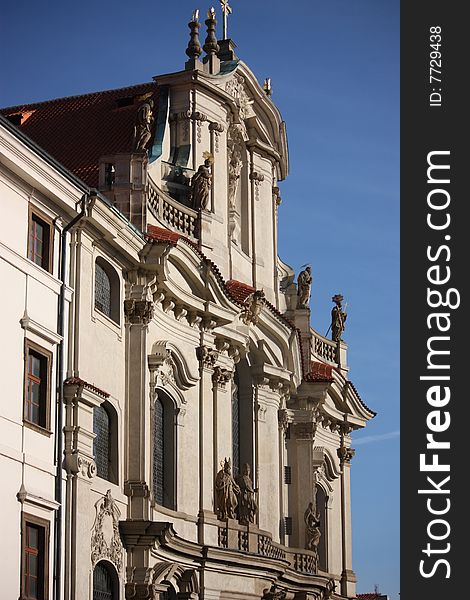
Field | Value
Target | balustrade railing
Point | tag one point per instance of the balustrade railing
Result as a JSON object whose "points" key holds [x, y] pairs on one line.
{"points": [[171, 213], [323, 348]]}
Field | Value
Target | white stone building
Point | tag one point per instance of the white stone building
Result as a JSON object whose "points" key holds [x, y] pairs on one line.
{"points": [[176, 344]]}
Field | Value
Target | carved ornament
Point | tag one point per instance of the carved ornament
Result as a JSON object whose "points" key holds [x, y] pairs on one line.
{"points": [[138, 311], [207, 356], [105, 539]]}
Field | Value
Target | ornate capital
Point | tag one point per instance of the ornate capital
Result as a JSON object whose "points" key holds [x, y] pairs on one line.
{"points": [[207, 356], [305, 431], [283, 419], [77, 464], [221, 377], [345, 455], [138, 311]]}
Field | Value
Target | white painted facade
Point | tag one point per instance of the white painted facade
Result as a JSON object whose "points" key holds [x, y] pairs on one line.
{"points": [[178, 332]]}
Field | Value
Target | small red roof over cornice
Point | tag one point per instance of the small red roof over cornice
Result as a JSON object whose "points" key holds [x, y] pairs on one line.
{"points": [[85, 384], [239, 290], [320, 372]]}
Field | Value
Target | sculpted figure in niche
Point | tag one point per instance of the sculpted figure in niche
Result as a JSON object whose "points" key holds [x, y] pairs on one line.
{"points": [[201, 183], [338, 318], [247, 507], [235, 163], [304, 284], [312, 528], [226, 491], [143, 126]]}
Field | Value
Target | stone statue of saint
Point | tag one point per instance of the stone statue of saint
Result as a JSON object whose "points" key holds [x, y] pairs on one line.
{"points": [[143, 126], [338, 318], [201, 183], [226, 491], [304, 284], [247, 507], [312, 528]]}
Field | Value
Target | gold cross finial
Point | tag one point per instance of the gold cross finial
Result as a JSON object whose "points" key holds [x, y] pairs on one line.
{"points": [[227, 10]]}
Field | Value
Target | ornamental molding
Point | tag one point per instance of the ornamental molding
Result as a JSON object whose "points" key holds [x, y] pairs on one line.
{"points": [[237, 89], [105, 539], [169, 367]]}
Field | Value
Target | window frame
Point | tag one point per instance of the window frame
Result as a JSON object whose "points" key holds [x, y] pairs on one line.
{"points": [[43, 554], [46, 355], [37, 215], [112, 442], [115, 290]]}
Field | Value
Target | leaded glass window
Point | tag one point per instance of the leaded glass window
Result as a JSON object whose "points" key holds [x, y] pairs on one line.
{"points": [[159, 452], [102, 441], [102, 290], [102, 583]]}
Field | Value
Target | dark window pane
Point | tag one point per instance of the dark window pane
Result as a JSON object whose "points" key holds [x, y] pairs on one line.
{"points": [[33, 537], [38, 247], [102, 583], [102, 290], [235, 426], [36, 389], [158, 452], [101, 443]]}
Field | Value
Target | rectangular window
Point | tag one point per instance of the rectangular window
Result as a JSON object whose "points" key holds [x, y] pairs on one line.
{"points": [[287, 475], [39, 243], [34, 563], [37, 385]]}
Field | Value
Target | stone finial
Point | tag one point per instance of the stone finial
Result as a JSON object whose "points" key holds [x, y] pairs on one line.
{"points": [[338, 318], [211, 47], [194, 49]]}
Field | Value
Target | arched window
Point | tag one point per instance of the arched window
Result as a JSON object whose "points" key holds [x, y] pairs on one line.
{"points": [[235, 425], [242, 418], [107, 289], [164, 451], [322, 500], [105, 582], [105, 442]]}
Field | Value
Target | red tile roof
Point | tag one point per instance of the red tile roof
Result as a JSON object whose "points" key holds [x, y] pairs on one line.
{"points": [[160, 234], [239, 290], [78, 130], [320, 372], [373, 596]]}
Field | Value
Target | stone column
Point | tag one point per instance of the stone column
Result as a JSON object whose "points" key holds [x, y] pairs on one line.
{"points": [[348, 578], [207, 356], [139, 312], [302, 479], [267, 457]]}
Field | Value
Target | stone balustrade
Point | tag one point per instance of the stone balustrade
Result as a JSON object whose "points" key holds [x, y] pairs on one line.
{"points": [[248, 538], [323, 348], [172, 214]]}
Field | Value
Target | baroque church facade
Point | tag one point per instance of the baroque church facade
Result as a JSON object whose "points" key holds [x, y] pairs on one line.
{"points": [[172, 425]]}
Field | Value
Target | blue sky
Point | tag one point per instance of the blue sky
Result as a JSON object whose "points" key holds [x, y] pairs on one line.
{"points": [[334, 67]]}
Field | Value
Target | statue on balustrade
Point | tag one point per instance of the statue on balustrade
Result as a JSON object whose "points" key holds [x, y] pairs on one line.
{"points": [[312, 528], [201, 183], [226, 492], [338, 318], [247, 507], [304, 284], [143, 126]]}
